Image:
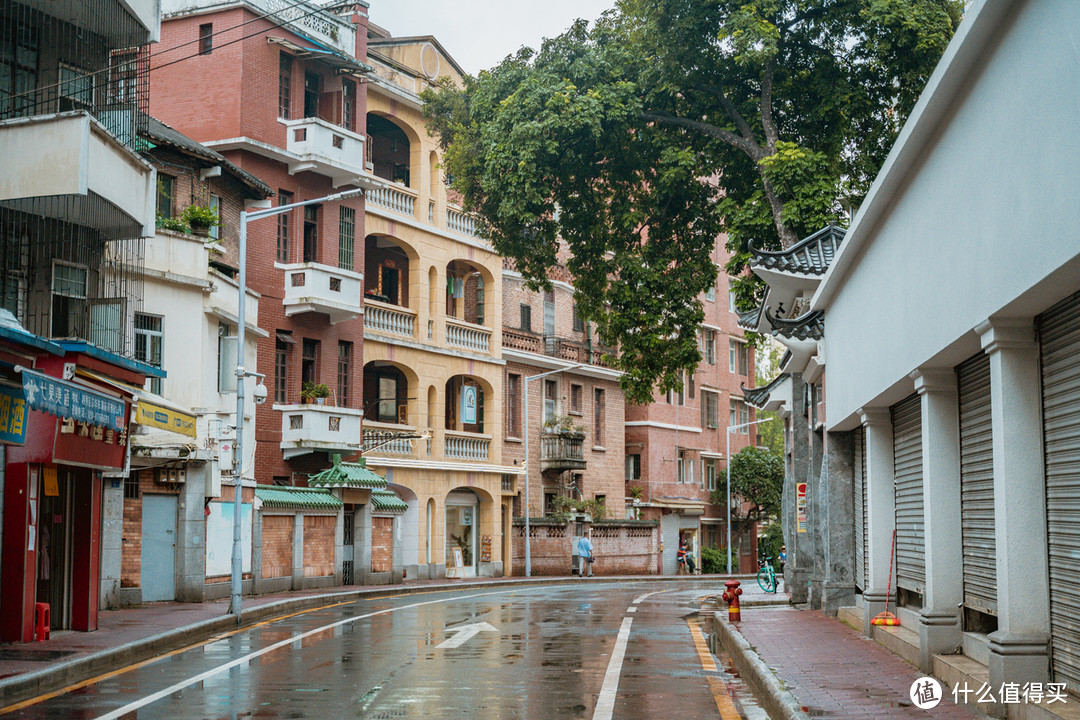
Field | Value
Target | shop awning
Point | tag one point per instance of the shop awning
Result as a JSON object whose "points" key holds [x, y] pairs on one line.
{"points": [[151, 410], [65, 399]]}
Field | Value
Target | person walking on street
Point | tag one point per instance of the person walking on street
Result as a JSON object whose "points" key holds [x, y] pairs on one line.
{"points": [[584, 552]]}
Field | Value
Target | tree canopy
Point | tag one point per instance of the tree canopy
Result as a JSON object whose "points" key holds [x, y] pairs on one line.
{"points": [[757, 477], [640, 139]]}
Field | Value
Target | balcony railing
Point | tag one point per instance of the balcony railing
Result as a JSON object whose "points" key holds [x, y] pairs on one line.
{"points": [[392, 198], [460, 222], [521, 340], [325, 148], [313, 287], [379, 438], [311, 428], [389, 319], [465, 335], [467, 446], [562, 451], [569, 350]]}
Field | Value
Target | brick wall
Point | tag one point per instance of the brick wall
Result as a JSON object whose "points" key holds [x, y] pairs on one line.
{"points": [[620, 548], [382, 544], [277, 545], [319, 545]]}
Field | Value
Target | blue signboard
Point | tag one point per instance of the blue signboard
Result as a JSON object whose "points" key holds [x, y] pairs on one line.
{"points": [[67, 400], [13, 414], [468, 404]]}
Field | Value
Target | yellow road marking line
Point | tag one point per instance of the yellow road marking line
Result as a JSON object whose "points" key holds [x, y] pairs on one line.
{"points": [[724, 703]]}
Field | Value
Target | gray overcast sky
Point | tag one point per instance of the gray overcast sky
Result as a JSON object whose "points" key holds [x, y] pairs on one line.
{"points": [[480, 33]]}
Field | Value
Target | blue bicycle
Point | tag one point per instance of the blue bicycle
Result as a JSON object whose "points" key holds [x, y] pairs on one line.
{"points": [[766, 577]]}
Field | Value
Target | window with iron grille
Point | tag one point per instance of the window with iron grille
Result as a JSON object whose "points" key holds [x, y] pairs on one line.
{"points": [[285, 86], [346, 237], [69, 303], [206, 39], [344, 364], [149, 341], [18, 69], [76, 87], [281, 367], [131, 486], [284, 220]]}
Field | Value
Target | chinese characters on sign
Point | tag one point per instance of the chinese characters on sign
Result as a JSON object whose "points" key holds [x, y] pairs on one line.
{"points": [[1034, 693], [13, 414], [68, 400]]}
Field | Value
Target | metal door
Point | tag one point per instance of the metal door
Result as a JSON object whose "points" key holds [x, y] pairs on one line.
{"points": [[977, 485], [347, 541], [859, 466], [908, 488], [1059, 336], [158, 574]]}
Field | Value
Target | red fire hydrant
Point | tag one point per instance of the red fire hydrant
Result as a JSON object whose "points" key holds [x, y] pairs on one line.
{"points": [[731, 597]]}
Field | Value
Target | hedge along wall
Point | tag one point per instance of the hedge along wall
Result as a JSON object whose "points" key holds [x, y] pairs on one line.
{"points": [[621, 547]]}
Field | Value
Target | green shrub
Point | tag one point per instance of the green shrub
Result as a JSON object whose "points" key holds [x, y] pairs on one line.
{"points": [[174, 224], [713, 560]]}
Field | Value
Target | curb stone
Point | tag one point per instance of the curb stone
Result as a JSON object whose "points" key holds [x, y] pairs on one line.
{"points": [[777, 701]]}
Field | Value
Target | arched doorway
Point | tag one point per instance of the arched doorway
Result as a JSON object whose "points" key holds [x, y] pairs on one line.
{"points": [[462, 529]]}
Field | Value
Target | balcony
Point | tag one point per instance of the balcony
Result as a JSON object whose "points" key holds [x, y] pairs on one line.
{"points": [[466, 446], [521, 340], [325, 148], [458, 221], [466, 335], [377, 439], [71, 154], [399, 199], [311, 428], [569, 350], [562, 451], [389, 319], [312, 287]]}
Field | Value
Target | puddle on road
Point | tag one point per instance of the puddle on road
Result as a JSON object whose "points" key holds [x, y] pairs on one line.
{"points": [[741, 695]]}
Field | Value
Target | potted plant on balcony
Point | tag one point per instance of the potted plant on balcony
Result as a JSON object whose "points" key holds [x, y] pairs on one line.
{"points": [[563, 425], [312, 392], [200, 218]]}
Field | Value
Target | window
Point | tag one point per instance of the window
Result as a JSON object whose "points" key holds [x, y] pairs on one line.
{"points": [[740, 415], [549, 503], [344, 365], [579, 324], [68, 299], [18, 69], [710, 294], [166, 191], [309, 361], [731, 302], [282, 480], [710, 347], [284, 87], [551, 394], [149, 337], [526, 317], [575, 398], [311, 233], [284, 198], [710, 409], [598, 416], [386, 407], [602, 499], [226, 358], [282, 345], [206, 39], [744, 359], [131, 486], [312, 89], [513, 405], [710, 475], [680, 467], [346, 237], [348, 107], [76, 87], [682, 397], [690, 384], [733, 356], [633, 466], [215, 205]]}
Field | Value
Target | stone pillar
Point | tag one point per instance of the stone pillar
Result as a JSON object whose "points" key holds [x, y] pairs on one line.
{"points": [[818, 500], [191, 536], [839, 587], [939, 620], [880, 513], [298, 551], [112, 530], [398, 551], [362, 545], [339, 544], [1019, 650], [800, 555]]}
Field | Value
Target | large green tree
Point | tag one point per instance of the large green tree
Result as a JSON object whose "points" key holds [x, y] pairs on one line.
{"points": [[757, 477], [638, 140]]}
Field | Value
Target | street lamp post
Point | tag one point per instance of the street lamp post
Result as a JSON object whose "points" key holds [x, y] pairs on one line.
{"points": [[525, 425], [242, 373], [731, 429]]}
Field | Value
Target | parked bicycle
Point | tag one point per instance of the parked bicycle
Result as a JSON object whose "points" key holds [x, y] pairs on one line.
{"points": [[766, 577]]}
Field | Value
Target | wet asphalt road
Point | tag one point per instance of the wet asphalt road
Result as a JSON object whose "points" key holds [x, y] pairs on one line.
{"points": [[535, 653]]}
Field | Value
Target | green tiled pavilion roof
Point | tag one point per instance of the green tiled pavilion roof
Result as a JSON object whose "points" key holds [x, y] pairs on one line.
{"points": [[386, 501], [278, 497], [348, 475]]}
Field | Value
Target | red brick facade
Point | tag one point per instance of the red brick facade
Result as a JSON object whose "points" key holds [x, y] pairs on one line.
{"points": [[319, 545], [277, 545], [382, 544]]}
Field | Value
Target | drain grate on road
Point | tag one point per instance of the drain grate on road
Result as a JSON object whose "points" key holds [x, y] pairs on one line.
{"points": [[20, 655]]}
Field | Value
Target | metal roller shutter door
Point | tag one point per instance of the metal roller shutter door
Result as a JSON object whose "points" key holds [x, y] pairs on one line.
{"points": [[908, 481], [859, 465], [977, 485], [1059, 333]]}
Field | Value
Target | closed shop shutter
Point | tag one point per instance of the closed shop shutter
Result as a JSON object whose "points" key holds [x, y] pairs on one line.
{"points": [[1059, 333], [908, 486], [977, 485], [859, 466]]}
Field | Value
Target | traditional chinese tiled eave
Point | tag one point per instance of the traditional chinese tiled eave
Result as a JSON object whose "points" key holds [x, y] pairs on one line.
{"points": [[759, 396], [810, 326], [810, 256]]}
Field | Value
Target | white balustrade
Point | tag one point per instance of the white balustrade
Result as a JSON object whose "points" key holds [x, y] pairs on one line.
{"points": [[464, 336], [394, 321], [467, 447], [460, 222], [382, 441], [393, 199]]}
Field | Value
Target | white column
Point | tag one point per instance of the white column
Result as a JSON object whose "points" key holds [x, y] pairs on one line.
{"points": [[880, 512], [939, 621], [1018, 650]]}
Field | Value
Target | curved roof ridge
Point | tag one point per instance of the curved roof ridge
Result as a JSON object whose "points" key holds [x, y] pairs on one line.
{"points": [[758, 396], [811, 255], [810, 326]]}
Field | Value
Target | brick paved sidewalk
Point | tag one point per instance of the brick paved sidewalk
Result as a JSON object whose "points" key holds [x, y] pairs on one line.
{"points": [[835, 672]]}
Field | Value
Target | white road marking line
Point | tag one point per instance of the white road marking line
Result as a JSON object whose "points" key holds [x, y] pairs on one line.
{"points": [[639, 598], [631, 609], [463, 633], [605, 703], [142, 702]]}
